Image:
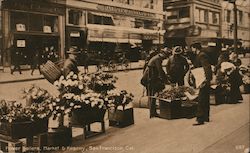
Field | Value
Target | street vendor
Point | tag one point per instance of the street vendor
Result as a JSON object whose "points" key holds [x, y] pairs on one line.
{"points": [[177, 66], [154, 78], [202, 60], [70, 63]]}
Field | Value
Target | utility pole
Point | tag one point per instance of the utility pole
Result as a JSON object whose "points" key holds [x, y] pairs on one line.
{"points": [[235, 27], [235, 24]]}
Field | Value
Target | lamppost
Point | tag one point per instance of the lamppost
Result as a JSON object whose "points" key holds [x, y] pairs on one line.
{"points": [[159, 35]]}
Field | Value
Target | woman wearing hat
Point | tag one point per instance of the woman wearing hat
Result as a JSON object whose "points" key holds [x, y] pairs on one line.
{"points": [[70, 63], [177, 66]]}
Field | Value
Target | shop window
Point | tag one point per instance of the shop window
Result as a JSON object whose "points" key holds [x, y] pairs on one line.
{"points": [[19, 20], [184, 12], [74, 17], [149, 24], [52, 22], [35, 22], [98, 18]]}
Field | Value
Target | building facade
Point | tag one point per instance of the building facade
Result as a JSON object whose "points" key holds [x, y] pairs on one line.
{"points": [[191, 18], [32, 26], [107, 26], [243, 16]]}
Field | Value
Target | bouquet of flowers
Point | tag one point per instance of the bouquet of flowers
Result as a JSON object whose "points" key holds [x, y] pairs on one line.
{"points": [[101, 82], [117, 98], [37, 94]]}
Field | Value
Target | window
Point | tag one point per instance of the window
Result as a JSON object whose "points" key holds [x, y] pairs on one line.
{"points": [[228, 16], [36, 22], [52, 22], [184, 12], [19, 18], [172, 14], [203, 16], [138, 23], [74, 17], [240, 17], [215, 18], [98, 18]]}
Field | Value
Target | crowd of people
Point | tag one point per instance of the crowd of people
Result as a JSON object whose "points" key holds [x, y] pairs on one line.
{"points": [[178, 64]]}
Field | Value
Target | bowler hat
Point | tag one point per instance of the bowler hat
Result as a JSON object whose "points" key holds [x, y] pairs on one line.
{"points": [[177, 50], [73, 50]]}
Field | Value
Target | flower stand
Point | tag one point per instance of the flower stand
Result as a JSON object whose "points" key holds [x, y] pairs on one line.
{"points": [[121, 118], [169, 109], [84, 117]]}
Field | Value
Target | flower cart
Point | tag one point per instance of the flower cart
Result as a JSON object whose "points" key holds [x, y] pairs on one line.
{"points": [[177, 102], [121, 113]]}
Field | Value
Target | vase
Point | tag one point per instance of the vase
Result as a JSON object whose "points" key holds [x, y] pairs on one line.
{"points": [[121, 118]]}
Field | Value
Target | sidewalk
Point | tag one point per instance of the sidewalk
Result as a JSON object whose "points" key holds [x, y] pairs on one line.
{"points": [[6, 77]]}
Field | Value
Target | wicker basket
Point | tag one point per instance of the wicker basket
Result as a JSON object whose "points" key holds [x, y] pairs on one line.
{"points": [[51, 71]]}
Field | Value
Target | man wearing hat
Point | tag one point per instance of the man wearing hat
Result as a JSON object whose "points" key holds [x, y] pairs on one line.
{"points": [[154, 79], [70, 63], [202, 60], [177, 66]]}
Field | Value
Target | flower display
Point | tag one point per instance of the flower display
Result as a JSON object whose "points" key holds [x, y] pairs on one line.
{"points": [[37, 94], [15, 112], [117, 98], [245, 72], [101, 82], [174, 93]]}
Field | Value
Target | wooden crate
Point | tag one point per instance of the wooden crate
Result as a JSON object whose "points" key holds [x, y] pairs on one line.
{"points": [[17, 130], [58, 137], [188, 109], [170, 109], [121, 118]]}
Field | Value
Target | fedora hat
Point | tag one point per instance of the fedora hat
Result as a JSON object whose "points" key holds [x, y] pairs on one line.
{"points": [[177, 50], [73, 50]]}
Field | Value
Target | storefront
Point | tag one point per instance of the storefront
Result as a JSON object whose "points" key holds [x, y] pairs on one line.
{"points": [[32, 26], [111, 29]]}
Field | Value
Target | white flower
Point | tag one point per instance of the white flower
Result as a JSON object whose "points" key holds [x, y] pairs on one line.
{"points": [[57, 107], [80, 86], [56, 83], [74, 76], [71, 104], [71, 73]]}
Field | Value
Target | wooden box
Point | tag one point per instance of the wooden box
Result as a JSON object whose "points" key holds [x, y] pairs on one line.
{"points": [[121, 118], [170, 109], [188, 109], [16, 130]]}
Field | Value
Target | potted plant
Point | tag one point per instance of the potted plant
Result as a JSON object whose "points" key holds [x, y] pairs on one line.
{"points": [[120, 110]]}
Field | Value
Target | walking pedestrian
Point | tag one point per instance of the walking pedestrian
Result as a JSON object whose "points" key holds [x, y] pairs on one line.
{"points": [[36, 62], [177, 66], [154, 79], [202, 60], [16, 59], [70, 63], [86, 61]]}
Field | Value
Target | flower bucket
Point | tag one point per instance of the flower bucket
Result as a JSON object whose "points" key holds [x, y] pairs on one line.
{"points": [[85, 116], [17, 130], [121, 118]]}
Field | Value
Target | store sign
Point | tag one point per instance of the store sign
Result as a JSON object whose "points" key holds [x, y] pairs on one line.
{"points": [[150, 37], [124, 11], [20, 43], [20, 27]]}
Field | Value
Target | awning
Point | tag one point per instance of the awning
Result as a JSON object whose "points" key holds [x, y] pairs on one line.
{"points": [[114, 40], [102, 14]]}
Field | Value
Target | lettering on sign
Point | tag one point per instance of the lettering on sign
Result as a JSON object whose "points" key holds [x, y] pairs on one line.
{"points": [[124, 11]]}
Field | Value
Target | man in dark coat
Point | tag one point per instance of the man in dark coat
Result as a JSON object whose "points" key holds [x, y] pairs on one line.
{"points": [[36, 61], [202, 60], [16, 59], [177, 67], [154, 79], [70, 63]]}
